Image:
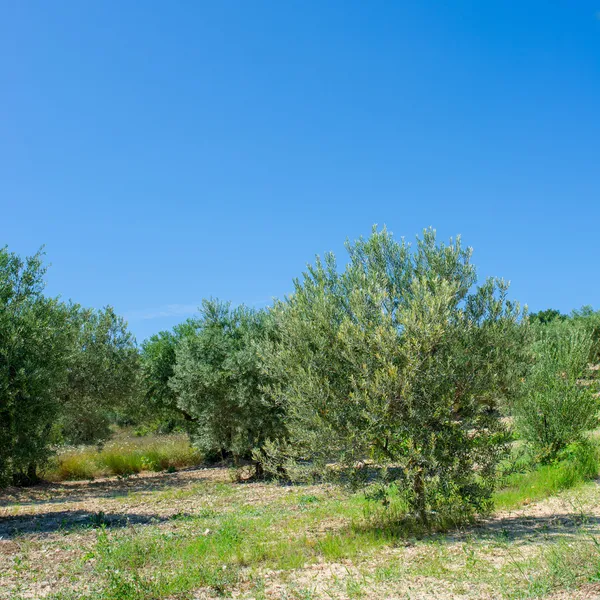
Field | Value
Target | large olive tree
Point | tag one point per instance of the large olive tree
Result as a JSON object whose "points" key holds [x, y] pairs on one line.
{"points": [[63, 369], [35, 343], [397, 366]]}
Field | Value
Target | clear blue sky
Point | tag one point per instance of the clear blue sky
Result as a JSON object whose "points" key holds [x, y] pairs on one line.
{"points": [[168, 151]]}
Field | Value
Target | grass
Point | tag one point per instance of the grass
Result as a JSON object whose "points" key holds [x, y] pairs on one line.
{"points": [[578, 464], [236, 551], [276, 540], [208, 537], [270, 541], [124, 456]]}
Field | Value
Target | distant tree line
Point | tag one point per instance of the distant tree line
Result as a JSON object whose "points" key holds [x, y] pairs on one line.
{"points": [[395, 370]]}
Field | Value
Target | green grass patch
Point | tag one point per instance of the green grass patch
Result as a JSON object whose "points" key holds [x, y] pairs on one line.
{"points": [[212, 551], [220, 552], [578, 464]]}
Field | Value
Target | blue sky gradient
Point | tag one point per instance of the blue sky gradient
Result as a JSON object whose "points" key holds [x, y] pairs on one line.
{"points": [[169, 151]]}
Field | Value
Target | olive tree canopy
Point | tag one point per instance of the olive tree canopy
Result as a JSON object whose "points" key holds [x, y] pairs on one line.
{"points": [[400, 363]]}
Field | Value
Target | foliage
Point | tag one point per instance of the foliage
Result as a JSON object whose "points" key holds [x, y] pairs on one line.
{"points": [[395, 369], [102, 376], [158, 358], [589, 319], [543, 317], [62, 369], [35, 339], [218, 381], [585, 317], [556, 407]]}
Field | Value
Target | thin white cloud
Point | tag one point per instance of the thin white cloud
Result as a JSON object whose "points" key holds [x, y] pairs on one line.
{"points": [[179, 310], [266, 300], [168, 310]]}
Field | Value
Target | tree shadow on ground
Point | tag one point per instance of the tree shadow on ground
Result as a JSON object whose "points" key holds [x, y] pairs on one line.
{"points": [[72, 520], [512, 528], [557, 526], [75, 491]]}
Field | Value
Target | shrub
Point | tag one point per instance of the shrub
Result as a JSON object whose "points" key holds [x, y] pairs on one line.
{"points": [[154, 453], [74, 466], [556, 408], [121, 463], [589, 319]]}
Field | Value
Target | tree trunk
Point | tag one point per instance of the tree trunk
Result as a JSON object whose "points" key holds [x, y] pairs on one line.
{"points": [[24, 478], [259, 472], [32, 476], [420, 499]]}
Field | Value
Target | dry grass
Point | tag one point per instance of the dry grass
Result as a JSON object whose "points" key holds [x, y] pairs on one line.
{"points": [[124, 456]]}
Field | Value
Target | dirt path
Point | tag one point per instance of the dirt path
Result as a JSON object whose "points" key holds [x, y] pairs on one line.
{"points": [[52, 507]]}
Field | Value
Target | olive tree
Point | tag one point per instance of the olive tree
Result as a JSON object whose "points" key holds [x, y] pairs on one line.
{"points": [[35, 342], [589, 319], [218, 381], [396, 368], [102, 375], [544, 317], [559, 404], [63, 369], [158, 359]]}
